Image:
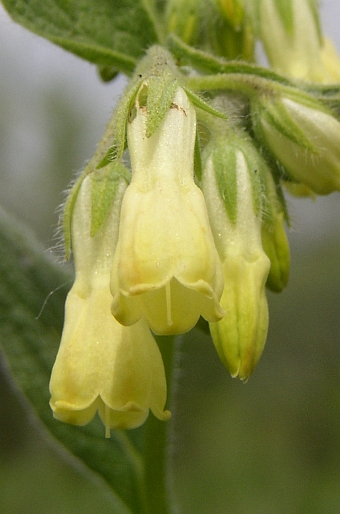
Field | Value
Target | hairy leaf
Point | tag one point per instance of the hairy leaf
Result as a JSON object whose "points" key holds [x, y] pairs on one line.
{"points": [[109, 33]]}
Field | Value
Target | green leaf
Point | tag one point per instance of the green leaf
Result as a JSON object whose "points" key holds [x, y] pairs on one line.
{"points": [[202, 104], [208, 63], [107, 73], [110, 33], [116, 129], [31, 319]]}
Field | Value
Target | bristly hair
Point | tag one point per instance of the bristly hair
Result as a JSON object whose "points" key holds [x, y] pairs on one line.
{"points": [[58, 240]]}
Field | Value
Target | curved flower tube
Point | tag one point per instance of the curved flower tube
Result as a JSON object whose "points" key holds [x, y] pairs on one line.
{"points": [[166, 267]]}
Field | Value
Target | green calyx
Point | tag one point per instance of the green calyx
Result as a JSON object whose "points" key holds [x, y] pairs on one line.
{"points": [[276, 246], [223, 152], [105, 184], [153, 85]]}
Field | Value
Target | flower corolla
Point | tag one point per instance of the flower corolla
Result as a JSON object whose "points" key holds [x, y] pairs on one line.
{"points": [[101, 365], [166, 267]]}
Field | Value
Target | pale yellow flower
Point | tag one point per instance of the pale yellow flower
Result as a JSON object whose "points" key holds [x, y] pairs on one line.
{"points": [[102, 365], [166, 268]]}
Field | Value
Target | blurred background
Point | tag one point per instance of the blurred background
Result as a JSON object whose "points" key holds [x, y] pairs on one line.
{"points": [[271, 446]]}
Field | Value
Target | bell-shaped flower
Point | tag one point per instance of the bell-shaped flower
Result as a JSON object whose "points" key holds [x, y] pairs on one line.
{"points": [[232, 195], [166, 267], [101, 365]]}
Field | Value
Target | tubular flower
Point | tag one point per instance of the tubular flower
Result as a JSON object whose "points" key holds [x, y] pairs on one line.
{"points": [[166, 267], [240, 336], [101, 365]]}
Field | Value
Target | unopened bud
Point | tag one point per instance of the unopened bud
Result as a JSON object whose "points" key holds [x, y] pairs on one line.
{"points": [[231, 188], [304, 137]]}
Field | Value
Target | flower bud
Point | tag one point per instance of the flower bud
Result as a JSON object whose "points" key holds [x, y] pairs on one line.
{"points": [[231, 188], [274, 237], [183, 18], [304, 137], [227, 30], [291, 36], [233, 12], [166, 268], [101, 365]]}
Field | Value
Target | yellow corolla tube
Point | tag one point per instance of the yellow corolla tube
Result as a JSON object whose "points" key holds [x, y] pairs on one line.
{"points": [[166, 268], [102, 365]]}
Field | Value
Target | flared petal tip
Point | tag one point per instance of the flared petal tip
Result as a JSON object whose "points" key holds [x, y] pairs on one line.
{"points": [[164, 415], [73, 414], [129, 416]]}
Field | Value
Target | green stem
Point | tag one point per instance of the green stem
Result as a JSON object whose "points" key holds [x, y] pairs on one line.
{"points": [[210, 64], [250, 85], [156, 456]]}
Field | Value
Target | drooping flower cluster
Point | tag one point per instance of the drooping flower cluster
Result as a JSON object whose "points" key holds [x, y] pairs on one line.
{"points": [[195, 227], [151, 265]]}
